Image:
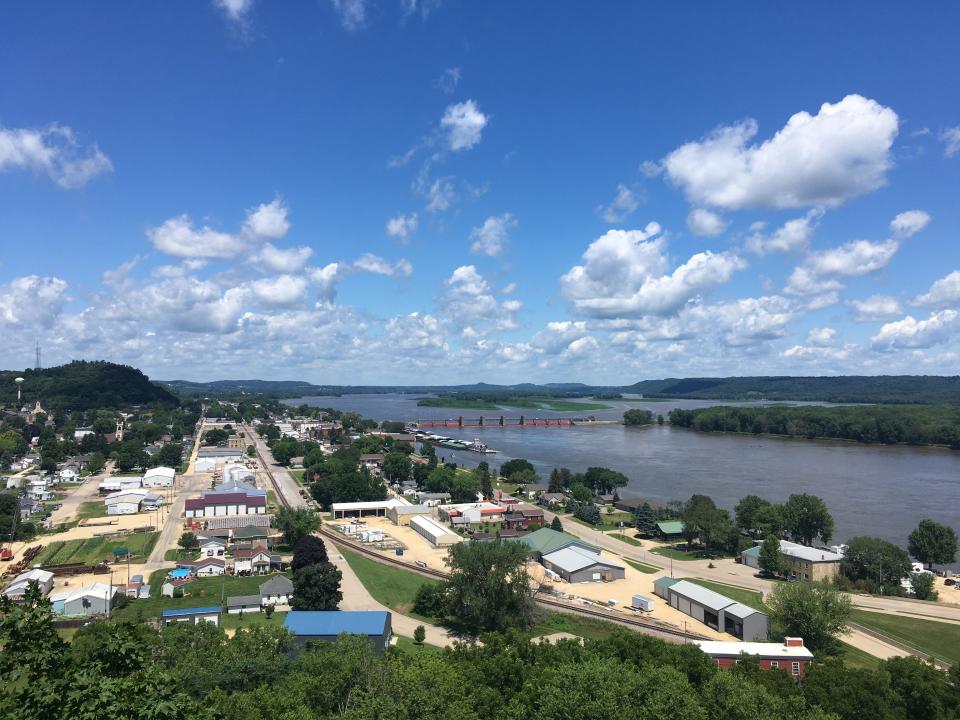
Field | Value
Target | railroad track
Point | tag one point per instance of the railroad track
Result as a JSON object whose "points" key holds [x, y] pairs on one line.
{"points": [[644, 626]]}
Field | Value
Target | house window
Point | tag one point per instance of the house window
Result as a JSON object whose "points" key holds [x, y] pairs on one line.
{"points": [[795, 668], [774, 664]]}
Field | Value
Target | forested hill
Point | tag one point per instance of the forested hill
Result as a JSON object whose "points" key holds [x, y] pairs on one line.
{"points": [[841, 389], [83, 385]]}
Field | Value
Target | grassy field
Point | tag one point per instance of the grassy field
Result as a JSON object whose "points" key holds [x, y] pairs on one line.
{"points": [[91, 509], [940, 640], [408, 646], [589, 628], [856, 658], [627, 539], [608, 521], [740, 595], [683, 555], [296, 475], [201, 593], [388, 585], [642, 567], [94, 550], [175, 554], [251, 619]]}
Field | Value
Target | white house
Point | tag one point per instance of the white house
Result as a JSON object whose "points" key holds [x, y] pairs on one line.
{"points": [[158, 477], [212, 547], [243, 603], [124, 502], [18, 586], [276, 591], [205, 567], [69, 474], [256, 560], [119, 483]]}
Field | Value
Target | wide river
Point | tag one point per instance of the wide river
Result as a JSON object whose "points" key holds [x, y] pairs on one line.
{"points": [[870, 490]]}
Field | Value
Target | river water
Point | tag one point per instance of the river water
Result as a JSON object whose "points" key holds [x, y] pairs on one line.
{"points": [[870, 490]]}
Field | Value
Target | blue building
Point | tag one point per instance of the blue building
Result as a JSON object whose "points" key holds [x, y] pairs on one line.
{"points": [[327, 625]]}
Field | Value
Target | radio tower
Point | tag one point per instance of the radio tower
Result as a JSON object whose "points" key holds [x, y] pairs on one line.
{"points": [[38, 366]]}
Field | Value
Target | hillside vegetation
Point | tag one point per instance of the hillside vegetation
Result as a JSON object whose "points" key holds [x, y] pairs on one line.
{"points": [[82, 385], [910, 424]]}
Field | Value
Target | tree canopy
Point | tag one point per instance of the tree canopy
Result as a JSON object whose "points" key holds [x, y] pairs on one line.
{"points": [[933, 543]]}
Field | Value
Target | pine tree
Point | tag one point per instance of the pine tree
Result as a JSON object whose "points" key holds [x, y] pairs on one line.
{"points": [[646, 520]]}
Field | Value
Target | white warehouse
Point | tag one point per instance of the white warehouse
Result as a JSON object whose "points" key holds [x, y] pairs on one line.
{"points": [[159, 477], [435, 533]]}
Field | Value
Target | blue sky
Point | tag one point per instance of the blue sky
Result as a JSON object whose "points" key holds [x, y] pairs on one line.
{"points": [[401, 191]]}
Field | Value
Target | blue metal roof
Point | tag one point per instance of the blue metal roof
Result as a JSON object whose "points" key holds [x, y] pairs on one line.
{"points": [[333, 622], [192, 611]]}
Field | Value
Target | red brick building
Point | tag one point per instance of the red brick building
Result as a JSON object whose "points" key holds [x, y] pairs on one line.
{"points": [[790, 655]]}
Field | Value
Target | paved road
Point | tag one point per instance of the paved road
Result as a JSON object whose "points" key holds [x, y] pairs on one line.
{"points": [[285, 485], [89, 490]]}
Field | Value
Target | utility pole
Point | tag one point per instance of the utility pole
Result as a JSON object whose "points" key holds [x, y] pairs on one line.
{"points": [[110, 591]]}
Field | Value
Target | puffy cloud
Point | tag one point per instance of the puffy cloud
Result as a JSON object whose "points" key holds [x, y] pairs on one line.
{"points": [[793, 236], [951, 141], [52, 151], [32, 301], [267, 221], [469, 302], [416, 331], [352, 13], [909, 223], [236, 10], [440, 195], [817, 352], [178, 237], [876, 307], [467, 281], [368, 262], [491, 237], [945, 291], [705, 223], [402, 227], [621, 207], [279, 260], [326, 279], [581, 347], [823, 159], [912, 333], [624, 274], [821, 337], [282, 290], [463, 124], [448, 81], [852, 259], [803, 281], [746, 321]]}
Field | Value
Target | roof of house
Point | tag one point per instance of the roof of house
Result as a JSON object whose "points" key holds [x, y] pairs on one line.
{"points": [[770, 650], [326, 623], [670, 527], [212, 540], [249, 531], [801, 552], [573, 559], [553, 496], [180, 612], [248, 553], [243, 600], [545, 541], [277, 585]]}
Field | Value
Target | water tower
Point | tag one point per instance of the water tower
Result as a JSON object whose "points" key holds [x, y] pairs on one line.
{"points": [[19, 382]]}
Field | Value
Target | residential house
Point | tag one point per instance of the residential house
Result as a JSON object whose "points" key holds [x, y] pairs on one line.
{"points": [[714, 610], [243, 603], [93, 599], [296, 462], [18, 587], [631, 504], [204, 567], [670, 528], [504, 500], [194, 616], [328, 625], [372, 462], [29, 507], [473, 513], [553, 499], [171, 585], [212, 547], [254, 561], [790, 655], [276, 591], [251, 536], [432, 499], [524, 517], [69, 473]]}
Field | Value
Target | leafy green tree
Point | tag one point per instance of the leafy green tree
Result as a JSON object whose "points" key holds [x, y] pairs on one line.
{"points": [[746, 513], [516, 465], [933, 543], [806, 517], [488, 588], [309, 550], [704, 521], [396, 466], [12, 444], [431, 600], [920, 684], [188, 541], [588, 512], [769, 520], [485, 481], [875, 561], [464, 487], [810, 610], [97, 463], [294, 523], [131, 455], [170, 455], [555, 524], [316, 587], [581, 493], [215, 436], [524, 477], [645, 520], [923, 586], [851, 693], [637, 417], [771, 558], [604, 480], [419, 634]]}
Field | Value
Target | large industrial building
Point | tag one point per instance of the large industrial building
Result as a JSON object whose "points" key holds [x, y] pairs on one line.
{"points": [[327, 625], [575, 565], [802, 561], [214, 504], [158, 477], [402, 514], [714, 610], [546, 541], [433, 532]]}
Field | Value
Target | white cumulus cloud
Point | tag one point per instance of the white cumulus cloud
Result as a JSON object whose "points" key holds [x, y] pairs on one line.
{"points": [[491, 237], [368, 262], [463, 124], [912, 333], [282, 290], [622, 206], [32, 301], [402, 227], [705, 222], [52, 151], [288, 260], [909, 223], [876, 307], [945, 291], [793, 236], [823, 159]]}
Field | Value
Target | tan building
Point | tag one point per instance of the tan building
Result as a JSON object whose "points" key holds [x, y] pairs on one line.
{"points": [[235, 442], [402, 514], [802, 562]]}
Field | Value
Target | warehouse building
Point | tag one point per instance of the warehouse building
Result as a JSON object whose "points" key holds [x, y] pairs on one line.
{"points": [[432, 531], [545, 541], [377, 508], [802, 562], [215, 504], [576, 565], [92, 599], [790, 655], [18, 587], [158, 477], [194, 616], [209, 458], [714, 610], [327, 625], [402, 514]]}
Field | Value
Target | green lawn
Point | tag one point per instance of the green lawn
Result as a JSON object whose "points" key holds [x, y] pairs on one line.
{"points": [[684, 555], [585, 627], [251, 619], [406, 645], [296, 475], [91, 509], [175, 554], [938, 639], [201, 592], [856, 658], [627, 539], [642, 567], [388, 585], [746, 597], [94, 550], [608, 521]]}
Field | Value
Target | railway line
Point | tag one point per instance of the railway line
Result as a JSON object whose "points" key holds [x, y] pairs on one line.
{"points": [[639, 625]]}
